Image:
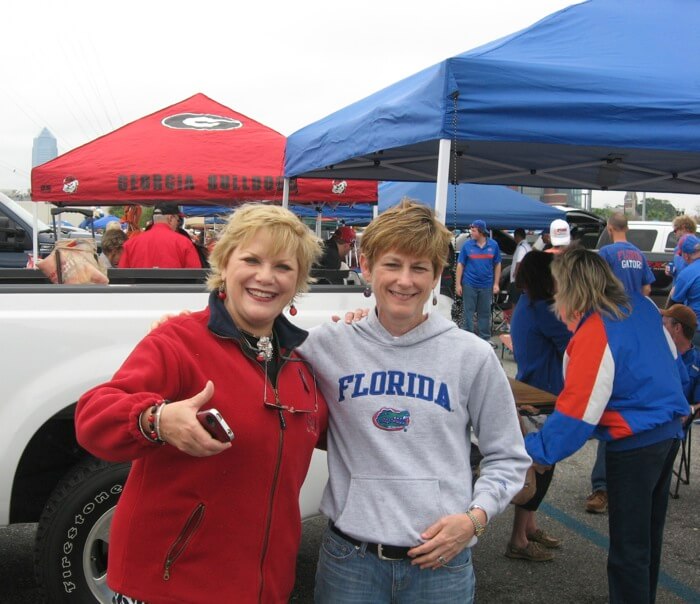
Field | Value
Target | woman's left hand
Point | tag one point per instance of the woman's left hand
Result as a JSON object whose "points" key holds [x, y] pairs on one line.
{"points": [[352, 316], [443, 541], [180, 428]]}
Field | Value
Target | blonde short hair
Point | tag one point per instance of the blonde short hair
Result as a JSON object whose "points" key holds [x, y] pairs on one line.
{"points": [[409, 228], [585, 283], [287, 231], [686, 223]]}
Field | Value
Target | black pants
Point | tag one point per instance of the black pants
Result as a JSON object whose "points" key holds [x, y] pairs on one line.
{"points": [[638, 486]]}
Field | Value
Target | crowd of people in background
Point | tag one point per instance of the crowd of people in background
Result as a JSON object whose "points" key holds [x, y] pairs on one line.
{"points": [[584, 328]]}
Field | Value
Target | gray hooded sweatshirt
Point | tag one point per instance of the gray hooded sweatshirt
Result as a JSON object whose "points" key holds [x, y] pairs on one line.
{"points": [[401, 412]]}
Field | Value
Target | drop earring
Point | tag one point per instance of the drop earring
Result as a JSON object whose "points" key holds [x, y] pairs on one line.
{"points": [[292, 309], [222, 292], [367, 291], [434, 299]]}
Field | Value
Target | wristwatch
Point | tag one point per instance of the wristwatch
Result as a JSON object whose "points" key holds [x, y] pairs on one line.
{"points": [[479, 528]]}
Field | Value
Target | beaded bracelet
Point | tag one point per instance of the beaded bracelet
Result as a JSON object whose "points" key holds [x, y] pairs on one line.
{"points": [[153, 421]]}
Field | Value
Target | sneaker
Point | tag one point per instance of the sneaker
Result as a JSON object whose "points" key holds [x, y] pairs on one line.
{"points": [[532, 552], [597, 502], [539, 536]]}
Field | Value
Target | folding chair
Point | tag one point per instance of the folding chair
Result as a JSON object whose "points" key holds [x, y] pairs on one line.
{"points": [[501, 312], [682, 472]]}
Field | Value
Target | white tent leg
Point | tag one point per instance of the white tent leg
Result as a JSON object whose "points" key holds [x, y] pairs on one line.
{"points": [[319, 221], [285, 193], [35, 234], [441, 179]]}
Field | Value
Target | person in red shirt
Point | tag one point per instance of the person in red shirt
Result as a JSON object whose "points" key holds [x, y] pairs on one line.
{"points": [[161, 246]]}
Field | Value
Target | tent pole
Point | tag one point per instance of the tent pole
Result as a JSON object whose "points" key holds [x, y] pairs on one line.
{"points": [[285, 193], [441, 182], [442, 177], [319, 217], [35, 235]]}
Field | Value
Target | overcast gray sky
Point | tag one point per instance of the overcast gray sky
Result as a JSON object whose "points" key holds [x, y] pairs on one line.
{"points": [[83, 68]]}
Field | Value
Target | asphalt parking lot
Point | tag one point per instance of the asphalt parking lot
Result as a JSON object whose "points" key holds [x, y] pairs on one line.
{"points": [[576, 575]]}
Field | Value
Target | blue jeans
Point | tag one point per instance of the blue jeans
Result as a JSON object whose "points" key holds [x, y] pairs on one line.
{"points": [[477, 299], [638, 486], [347, 574], [598, 482]]}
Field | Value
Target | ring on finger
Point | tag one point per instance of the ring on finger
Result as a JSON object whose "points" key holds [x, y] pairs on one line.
{"points": [[441, 560]]}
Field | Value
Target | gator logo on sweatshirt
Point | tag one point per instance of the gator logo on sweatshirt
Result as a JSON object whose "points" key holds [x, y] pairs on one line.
{"points": [[391, 420]]}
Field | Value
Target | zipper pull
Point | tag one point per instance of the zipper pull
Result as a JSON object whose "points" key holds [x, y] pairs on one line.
{"points": [[166, 574]]}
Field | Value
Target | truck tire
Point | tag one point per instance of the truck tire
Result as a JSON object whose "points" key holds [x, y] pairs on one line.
{"points": [[70, 554]]}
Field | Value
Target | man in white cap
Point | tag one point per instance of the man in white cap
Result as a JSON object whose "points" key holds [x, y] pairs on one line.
{"points": [[560, 236]]}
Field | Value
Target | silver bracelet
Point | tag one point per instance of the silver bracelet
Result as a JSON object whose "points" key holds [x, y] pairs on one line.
{"points": [[156, 422]]}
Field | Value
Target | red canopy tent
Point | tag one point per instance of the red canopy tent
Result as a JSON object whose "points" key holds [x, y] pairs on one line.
{"points": [[196, 151]]}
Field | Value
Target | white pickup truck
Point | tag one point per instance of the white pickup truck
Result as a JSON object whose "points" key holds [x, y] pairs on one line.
{"points": [[57, 342]]}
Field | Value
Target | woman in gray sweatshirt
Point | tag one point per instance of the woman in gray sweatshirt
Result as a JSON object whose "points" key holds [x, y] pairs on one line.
{"points": [[405, 389]]}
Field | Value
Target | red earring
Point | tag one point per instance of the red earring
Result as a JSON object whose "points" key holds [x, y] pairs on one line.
{"points": [[292, 310], [222, 292]]}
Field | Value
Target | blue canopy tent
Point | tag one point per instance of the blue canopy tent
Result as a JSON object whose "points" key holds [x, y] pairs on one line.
{"points": [[101, 223], [216, 214], [600, 95], [500, 207], [359, 214]]}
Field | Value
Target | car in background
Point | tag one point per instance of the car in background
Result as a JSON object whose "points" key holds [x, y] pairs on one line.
{"points": [[16, 230]]}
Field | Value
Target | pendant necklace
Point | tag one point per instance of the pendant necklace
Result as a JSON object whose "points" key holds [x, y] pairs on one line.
{"points": [[263, 345]]}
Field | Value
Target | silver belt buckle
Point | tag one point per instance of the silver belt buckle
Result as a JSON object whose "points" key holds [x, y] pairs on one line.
{"points": [[381, 556]]}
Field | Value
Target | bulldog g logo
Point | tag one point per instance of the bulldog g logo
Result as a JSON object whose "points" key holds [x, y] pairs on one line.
{"points": [[200, 121], [70, 184], [338, 187]]}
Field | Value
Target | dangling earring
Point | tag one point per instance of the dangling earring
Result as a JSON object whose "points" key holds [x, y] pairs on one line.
{"points": [[222, 292], [434, 299], [367, 291], [292, 309]]}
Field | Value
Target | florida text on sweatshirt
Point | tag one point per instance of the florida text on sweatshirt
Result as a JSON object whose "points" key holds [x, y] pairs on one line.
{"points": [[401, 413]]}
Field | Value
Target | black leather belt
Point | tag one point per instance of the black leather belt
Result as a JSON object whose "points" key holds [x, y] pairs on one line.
{"points": [[383, 552]]}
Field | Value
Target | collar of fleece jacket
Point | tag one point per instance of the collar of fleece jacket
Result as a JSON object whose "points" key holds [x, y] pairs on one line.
{"points": [[220, 323]]}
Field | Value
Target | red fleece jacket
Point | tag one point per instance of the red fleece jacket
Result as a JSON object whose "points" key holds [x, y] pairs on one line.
{"points": [[231, 521]]}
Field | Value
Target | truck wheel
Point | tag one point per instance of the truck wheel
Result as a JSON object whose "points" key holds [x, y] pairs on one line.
{"points": [[70, 554]]}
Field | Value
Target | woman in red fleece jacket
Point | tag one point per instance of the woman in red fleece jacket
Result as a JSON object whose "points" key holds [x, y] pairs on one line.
{"points": [[201, 520]]}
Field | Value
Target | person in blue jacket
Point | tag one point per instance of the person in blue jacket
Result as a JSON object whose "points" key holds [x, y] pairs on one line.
{"points": [[686, 289], [539, 341], [622, 385]]}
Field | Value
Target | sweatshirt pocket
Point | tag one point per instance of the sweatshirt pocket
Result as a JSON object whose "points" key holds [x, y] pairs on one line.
{"points": [[391, 511], [183, 539]]}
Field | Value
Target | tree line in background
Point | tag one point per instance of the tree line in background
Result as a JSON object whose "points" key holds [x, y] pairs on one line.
{"points": [[657, 209]]}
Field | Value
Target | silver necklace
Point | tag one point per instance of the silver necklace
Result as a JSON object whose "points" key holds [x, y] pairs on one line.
{"points": [[263, 347]]}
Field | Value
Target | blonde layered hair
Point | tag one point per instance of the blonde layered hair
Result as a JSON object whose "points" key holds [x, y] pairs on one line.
{"points": [[288, 233], [585, 283], [410, 228]]}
